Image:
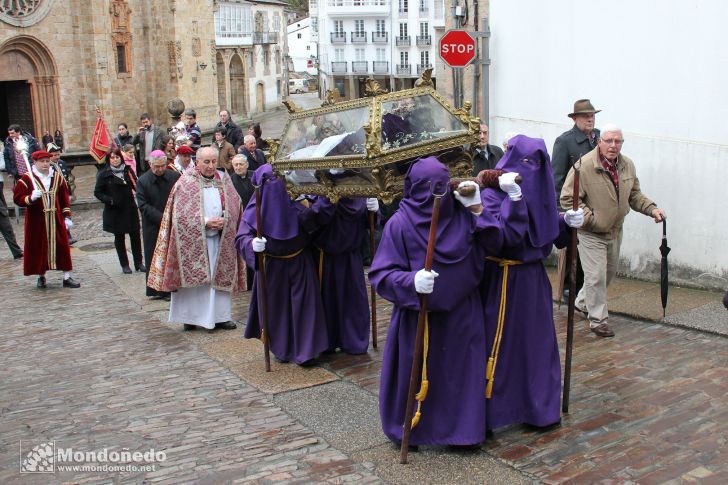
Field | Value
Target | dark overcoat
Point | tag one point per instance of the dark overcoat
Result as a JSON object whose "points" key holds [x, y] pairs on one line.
{"points": [[120, 211]]}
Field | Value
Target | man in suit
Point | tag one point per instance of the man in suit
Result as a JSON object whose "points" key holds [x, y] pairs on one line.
{"points": [[485, 156], [148, 138], [253, 155]]}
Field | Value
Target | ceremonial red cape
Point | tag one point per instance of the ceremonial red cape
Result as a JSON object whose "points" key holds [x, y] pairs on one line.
{"points": [[180, 258]]}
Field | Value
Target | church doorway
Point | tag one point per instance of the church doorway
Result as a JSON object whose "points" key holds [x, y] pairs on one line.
{"points": [[16, 106]]}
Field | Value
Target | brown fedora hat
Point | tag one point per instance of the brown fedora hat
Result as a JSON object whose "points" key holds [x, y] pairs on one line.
{"points": [[584, 106]]}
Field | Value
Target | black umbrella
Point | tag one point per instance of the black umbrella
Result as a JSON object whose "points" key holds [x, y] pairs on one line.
{"points": [[664, 251]]}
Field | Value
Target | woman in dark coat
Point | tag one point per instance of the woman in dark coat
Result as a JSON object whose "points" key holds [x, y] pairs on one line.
{"points": [[115, 187]]}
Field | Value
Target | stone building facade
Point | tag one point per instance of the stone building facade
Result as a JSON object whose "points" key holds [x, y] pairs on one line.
{"points": [[62, 58]]}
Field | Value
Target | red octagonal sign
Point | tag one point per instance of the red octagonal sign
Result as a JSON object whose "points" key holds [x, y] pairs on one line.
{"points": [[457, 48]]}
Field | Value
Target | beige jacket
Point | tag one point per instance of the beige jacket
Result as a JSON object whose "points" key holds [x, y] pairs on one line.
{"points": [[603, 213]]}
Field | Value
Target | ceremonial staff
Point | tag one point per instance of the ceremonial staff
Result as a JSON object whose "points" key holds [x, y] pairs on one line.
{"points": [[572, 296], [22, 146], [419, 337], [373, 294], [261, 278]]}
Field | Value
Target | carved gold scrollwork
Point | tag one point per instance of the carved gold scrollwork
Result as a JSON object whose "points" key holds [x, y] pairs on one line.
{"points": [[373, 88], [291, 106], [425, 79]]}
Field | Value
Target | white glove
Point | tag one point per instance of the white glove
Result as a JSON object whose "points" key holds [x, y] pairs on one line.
{"points": [[574, 218], [69, 223], [259, 244], [337, 171], [425, 281], [471, 200], [508, 184], [36, 194], [372, 204]]}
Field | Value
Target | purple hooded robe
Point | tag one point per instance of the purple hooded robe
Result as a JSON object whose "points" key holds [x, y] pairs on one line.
{"points": [[527, 381], [296, 323], [454, 411], [343, 289]]}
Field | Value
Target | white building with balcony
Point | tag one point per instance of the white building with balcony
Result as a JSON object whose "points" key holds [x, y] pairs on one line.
{"points": [[251, 48], [392, 41], [301, 48]]}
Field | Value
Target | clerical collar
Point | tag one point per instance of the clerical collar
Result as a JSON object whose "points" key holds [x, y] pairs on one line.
{"points": [[208, 177]]}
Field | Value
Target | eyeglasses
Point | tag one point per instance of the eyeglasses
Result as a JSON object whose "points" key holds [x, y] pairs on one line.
{"points": [[614, 141]]}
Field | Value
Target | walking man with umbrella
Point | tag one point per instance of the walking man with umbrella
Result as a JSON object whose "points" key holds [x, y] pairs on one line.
{"points": [[608, 189]]}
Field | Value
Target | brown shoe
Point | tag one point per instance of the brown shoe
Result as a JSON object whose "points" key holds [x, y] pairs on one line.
{"points": [[602, 330]]}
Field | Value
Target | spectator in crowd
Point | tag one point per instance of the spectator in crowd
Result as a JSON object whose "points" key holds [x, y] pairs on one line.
{"points": [[148, 138], [192, 130], [127, 152], [184, 158], [485, 156], [6, 228], [44, 194], [58, 139], [234, 134], [14, 160], [123, 137], [153, 190], [608, 189], [226, 150], [168, 146], [47, 138], [244, 188], [115, 186], [252, 154], [259, 141]]}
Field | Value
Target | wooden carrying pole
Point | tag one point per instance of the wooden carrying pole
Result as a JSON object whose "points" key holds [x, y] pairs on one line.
{"points": [[261, 280], [572, 296], [373, 294], [419, 336]]}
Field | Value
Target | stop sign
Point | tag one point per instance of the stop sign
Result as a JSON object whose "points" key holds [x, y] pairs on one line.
{"points": [[457, 48]]}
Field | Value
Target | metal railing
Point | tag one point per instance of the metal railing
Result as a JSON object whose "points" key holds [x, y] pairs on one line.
{"points": [[359, 66], [338, 66], [403, 41], [265, 37], [424, 11], [380, 37], [404, 68], [358, 3], [358, 37], [380, 66], [338, 37], [424, 40], [422, 67]]}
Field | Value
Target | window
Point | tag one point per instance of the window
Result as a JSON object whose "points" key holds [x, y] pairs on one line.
{"points": [[404, 58], [298, 36], [403, 30], [276, 23], [403, 6], [121, 65], [308, 47], [381, 54], [425, 58], [359, 55], [339, 55], [381, 29], [359, 26], [314, 24], [424, 29], [339, 27]]}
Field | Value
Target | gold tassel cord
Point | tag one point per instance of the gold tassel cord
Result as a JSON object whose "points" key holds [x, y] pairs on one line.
{"points": [[493, 359], [321, 268], [425, 384]]}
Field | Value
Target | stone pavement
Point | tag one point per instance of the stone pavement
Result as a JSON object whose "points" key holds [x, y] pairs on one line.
{"points": [[100, 367]]}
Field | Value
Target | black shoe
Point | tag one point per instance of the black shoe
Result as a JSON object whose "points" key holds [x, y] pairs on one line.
{"points": [[71, 283], [126, 269], [141, 268], [72, 241], [166, 298], [18, 256], [188, 327], [41, 282], [226, 325]]}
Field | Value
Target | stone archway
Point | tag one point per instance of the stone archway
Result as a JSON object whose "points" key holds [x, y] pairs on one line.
{"points": [[237, 85], [26, 60]]}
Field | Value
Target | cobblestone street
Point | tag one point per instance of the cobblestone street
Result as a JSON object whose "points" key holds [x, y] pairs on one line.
{"points": [[99, 367]]}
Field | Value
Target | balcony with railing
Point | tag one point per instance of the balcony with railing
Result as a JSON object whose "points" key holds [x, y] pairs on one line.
{"points": [[424, 11], [422, 68], [424, 40], [403, 41], [380, 37], [338, 67], [351, 8], [338, 37], [404, 69], [359, 67], [265, 37], [358, 37], [380, 67]]}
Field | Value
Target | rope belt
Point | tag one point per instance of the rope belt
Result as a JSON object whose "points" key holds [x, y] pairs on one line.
{"points": [[285, 256], [321, 268], [424, 384], [493, 359]]}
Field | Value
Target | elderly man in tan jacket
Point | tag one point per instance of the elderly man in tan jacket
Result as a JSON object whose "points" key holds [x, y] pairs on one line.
{"points": [[608, 189]]}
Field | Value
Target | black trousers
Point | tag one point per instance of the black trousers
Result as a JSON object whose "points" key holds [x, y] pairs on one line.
{"points": [[6, 227], [136, 248]]}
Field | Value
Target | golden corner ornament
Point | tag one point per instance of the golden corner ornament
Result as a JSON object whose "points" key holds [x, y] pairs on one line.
{"points": [[363, 147]]}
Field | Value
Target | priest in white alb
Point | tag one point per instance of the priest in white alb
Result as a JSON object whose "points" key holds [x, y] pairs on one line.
{"points": [[195, 256]]}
